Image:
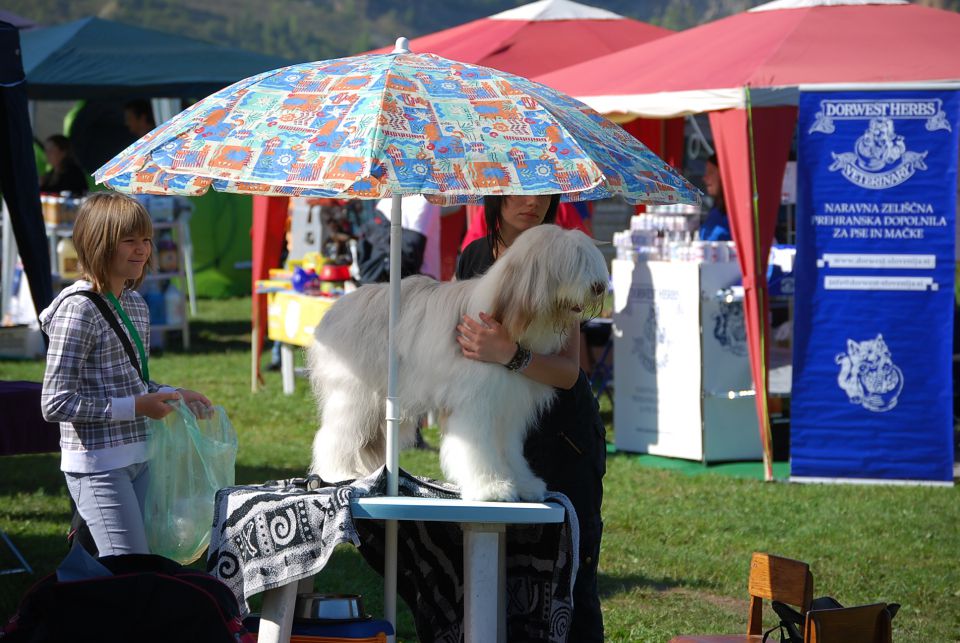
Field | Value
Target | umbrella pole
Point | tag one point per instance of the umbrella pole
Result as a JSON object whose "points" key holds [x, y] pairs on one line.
{"points": [[393, 415]]}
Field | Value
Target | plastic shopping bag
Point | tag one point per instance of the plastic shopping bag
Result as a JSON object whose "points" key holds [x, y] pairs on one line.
{"points": [[190, 459]]}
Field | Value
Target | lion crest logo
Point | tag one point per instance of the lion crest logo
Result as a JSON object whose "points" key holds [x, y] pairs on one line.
{"points": [[651, 344], [868, 375], [729, 328]]}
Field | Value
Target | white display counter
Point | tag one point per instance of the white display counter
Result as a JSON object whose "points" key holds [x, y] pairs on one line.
{"points": [[682, 377]]}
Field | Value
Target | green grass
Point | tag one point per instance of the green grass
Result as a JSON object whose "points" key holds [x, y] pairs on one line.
{"points": [[675, 549]]}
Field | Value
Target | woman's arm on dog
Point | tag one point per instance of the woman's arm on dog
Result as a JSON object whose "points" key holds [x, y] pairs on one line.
{"points": [[488, 341]]}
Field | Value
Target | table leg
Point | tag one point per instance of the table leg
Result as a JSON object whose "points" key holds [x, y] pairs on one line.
{"points": [[276, 615], [484, 587], [286, 368]]}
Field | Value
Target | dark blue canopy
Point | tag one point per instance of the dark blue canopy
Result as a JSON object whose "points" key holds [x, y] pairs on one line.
{"points": [[94, 58]]}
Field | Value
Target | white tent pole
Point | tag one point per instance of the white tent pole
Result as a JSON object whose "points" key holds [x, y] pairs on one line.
{"points": [[393, 414], [393, 407]]}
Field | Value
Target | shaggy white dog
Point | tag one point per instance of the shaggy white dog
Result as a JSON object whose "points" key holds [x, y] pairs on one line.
{"points": [[536, 290]]}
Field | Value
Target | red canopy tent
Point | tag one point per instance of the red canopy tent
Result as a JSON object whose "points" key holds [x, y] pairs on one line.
{"points": [[537, 38], [747, 71], [529, 40]]}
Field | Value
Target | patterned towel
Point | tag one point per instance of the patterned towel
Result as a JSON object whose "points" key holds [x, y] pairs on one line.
{"points": [[268, 535]]}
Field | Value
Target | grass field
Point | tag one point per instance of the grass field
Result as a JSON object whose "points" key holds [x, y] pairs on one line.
{"points": [[675, 550]]}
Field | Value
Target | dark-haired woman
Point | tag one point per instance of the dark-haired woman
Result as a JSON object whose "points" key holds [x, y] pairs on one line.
{"points": [[66, 174], [716, 227], [566, 448]]}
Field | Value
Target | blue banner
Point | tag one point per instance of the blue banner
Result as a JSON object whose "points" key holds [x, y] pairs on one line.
{"points": [[873, 329]]}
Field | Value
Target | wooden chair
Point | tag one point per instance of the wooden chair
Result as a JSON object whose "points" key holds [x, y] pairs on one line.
{"points": [[861, 624], [772, 578]]}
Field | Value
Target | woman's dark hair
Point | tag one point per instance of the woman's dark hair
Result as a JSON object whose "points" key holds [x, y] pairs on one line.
{"points": [[61, 142], [493, 217], [719, 202], [140, 107]]}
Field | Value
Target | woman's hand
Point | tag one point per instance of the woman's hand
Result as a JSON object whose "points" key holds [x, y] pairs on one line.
{"points": [[197, 403], [485, 340], [155, 405]]}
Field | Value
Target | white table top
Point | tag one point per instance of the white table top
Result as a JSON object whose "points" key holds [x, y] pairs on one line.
{"points": [[443, 510]]}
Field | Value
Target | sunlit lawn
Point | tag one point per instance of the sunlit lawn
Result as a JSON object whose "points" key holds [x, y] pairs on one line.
{"points": [[675, 549]]}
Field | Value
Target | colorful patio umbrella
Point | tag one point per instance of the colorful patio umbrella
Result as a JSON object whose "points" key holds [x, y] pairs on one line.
{"points": [[381, 125], [384, 125]]}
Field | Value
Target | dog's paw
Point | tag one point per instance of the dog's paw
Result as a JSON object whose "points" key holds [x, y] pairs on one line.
{"points": [[493, 491], [532, 490]]}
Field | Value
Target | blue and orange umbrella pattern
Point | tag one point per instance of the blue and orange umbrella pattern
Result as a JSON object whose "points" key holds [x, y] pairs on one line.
{"points": [[380, 125]]}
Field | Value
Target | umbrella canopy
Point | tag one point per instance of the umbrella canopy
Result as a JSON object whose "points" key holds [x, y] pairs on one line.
{"points": [[96, 58], [382, 125], [538, 37], [775, 46]]}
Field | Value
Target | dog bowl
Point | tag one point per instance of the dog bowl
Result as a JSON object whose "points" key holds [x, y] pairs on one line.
{"points": [[332, 272], [329, 607]]}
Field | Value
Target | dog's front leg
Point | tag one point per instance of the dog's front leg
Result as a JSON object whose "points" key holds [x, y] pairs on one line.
{"points": [[529, 486], [472, 456]]}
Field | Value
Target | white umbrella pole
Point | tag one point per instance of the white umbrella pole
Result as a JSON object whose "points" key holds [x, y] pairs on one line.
{"points": [[393, 415]]}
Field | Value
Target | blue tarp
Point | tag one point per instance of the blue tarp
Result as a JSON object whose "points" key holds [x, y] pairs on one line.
{"points": [[94, 58]]}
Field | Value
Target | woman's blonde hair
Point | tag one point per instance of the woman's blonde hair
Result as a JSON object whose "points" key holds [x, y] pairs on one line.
{"points": [[103, 220]]}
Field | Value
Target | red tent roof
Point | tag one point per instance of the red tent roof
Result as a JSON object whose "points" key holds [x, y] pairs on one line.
{"points": [[537, 38], [769, 48]]}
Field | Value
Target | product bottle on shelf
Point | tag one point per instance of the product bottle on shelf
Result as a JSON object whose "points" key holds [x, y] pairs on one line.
{"points": [[67, 259], [155, 303], [167, 258], [173, 305]]}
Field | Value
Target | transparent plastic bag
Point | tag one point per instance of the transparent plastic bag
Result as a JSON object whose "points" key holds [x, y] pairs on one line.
{"points": [[190, 459]]}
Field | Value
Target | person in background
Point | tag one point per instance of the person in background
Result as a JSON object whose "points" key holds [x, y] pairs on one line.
{"points": [[567, 447], [65, 175], [420, 216], [93, 387], [138, 117], [715, 227]]}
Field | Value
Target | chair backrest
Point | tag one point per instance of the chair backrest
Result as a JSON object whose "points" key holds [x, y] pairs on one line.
{"points": [[777, 579], [861, 624]]}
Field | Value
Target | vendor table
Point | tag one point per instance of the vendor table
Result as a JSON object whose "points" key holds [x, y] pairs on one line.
{"points": [[484, 529], [683, 383], [291, 320]]}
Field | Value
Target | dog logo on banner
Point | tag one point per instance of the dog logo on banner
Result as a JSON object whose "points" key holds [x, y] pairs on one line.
{"points": [[880, 158], [868, 375], [729, 328]]}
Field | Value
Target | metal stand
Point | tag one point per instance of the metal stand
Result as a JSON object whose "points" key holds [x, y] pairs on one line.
{"points": [[24, 565]]}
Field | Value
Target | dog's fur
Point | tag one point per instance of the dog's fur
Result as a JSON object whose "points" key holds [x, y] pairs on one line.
{"points": [[536, 290]]}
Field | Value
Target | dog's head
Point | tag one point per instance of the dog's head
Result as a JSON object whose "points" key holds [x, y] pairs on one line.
{"points": [[548, 278]]}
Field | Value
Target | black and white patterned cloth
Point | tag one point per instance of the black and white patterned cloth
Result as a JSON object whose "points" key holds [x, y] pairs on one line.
{"points": [[269, 535]]}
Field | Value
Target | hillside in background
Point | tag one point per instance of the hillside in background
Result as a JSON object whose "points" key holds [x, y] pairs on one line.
{"points": [[318, 29]]}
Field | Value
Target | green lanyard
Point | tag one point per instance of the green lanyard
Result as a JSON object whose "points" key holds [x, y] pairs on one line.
{"points": [[133, 333]]}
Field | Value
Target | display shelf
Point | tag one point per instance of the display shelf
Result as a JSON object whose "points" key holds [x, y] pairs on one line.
{"points": [[153, 276], [181, 231]]}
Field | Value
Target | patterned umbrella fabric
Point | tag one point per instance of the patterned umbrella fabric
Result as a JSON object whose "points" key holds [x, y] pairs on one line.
{"points": [[381, 125]]}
